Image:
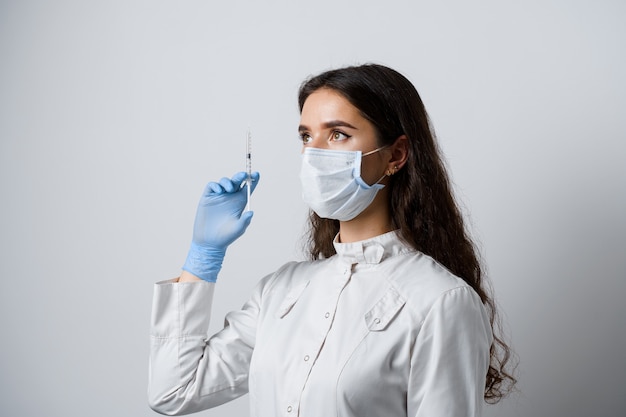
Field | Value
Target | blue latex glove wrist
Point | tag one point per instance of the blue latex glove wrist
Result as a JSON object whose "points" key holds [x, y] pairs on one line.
{"points": [[219, 222], [204, 262]]}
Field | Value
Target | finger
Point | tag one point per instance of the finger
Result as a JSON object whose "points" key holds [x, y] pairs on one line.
{"points": [[227, 185], [213, 188], [239, 179], [254, 176], [255, 180]]}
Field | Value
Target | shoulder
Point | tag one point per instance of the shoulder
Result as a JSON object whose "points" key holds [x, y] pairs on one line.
{"points": [[423, 283]]}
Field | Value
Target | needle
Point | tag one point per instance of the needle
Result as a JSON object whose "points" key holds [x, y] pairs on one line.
{"points": [[249, 167]]}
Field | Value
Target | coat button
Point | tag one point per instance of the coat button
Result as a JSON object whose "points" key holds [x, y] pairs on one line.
{"points": [[306, 358], [289, 409]]}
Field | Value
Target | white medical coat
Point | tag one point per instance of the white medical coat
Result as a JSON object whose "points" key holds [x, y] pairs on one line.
{"points": [[377, 330]]}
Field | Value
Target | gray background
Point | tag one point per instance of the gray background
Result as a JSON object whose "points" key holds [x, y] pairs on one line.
{"points": [[114, 114]]}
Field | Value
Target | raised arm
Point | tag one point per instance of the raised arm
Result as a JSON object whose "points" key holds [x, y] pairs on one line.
{"points": [[188, 371]]}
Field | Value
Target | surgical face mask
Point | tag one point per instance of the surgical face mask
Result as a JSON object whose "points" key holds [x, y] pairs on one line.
{"points": [[332, 185]]}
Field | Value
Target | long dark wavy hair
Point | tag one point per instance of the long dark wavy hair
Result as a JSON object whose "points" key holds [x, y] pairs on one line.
{"points": [[421, 201]]}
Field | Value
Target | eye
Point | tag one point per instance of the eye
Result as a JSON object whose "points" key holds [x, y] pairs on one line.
{"points": [[305, 138], [338, 135]]}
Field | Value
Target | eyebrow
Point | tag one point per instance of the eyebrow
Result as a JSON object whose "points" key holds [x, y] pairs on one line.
{"points": [[329, 125]]}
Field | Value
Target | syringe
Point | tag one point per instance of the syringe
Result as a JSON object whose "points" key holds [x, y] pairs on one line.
{"points": [[249, 167]]}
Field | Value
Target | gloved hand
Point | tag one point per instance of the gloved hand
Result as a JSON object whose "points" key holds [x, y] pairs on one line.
{"points": [[219, 222]]}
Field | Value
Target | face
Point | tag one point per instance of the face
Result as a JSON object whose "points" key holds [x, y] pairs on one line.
{"points": [[329, 121]]}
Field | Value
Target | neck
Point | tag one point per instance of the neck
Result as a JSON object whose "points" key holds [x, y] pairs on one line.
{"points": [[373, 221]]}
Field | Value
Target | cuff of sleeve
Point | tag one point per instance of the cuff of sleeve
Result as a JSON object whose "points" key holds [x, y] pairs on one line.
{"points": [[181, 309]]}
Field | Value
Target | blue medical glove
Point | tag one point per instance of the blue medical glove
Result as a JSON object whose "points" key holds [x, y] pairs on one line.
{"points": [[219, 222]]}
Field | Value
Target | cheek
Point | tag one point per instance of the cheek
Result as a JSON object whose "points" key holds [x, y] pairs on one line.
{"points": [[372, 170]]}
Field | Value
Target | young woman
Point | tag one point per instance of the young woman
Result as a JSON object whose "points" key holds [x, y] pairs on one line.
{"points": [[389, 317]]}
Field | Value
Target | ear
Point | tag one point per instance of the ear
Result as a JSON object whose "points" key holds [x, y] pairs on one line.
{"points": [[399, 155]]}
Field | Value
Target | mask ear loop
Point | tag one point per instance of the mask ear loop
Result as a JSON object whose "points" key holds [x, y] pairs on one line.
{"points": [[387, 173], [374, 151]]}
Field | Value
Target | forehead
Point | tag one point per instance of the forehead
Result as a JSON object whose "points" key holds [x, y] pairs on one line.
{"points": [[326, 104]]}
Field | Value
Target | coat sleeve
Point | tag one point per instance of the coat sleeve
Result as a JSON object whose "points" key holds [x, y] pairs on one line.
{"points": [[450, 358], [189, 372]]}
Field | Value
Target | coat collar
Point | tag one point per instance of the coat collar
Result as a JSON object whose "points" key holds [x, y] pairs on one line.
{"points": [[373, 250]]}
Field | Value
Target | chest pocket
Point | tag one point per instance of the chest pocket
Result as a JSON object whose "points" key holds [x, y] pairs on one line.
{"points": [[384, 311], [291, 299]]}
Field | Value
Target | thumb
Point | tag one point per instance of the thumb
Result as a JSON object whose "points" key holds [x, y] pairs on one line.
{"points": [[255, 176], [245, 219]]}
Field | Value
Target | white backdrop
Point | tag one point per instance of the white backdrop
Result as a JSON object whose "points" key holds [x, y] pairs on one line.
{"points": [[114, 114]]}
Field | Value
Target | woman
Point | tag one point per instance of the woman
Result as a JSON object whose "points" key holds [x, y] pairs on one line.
{"points": [[389, 317]]}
